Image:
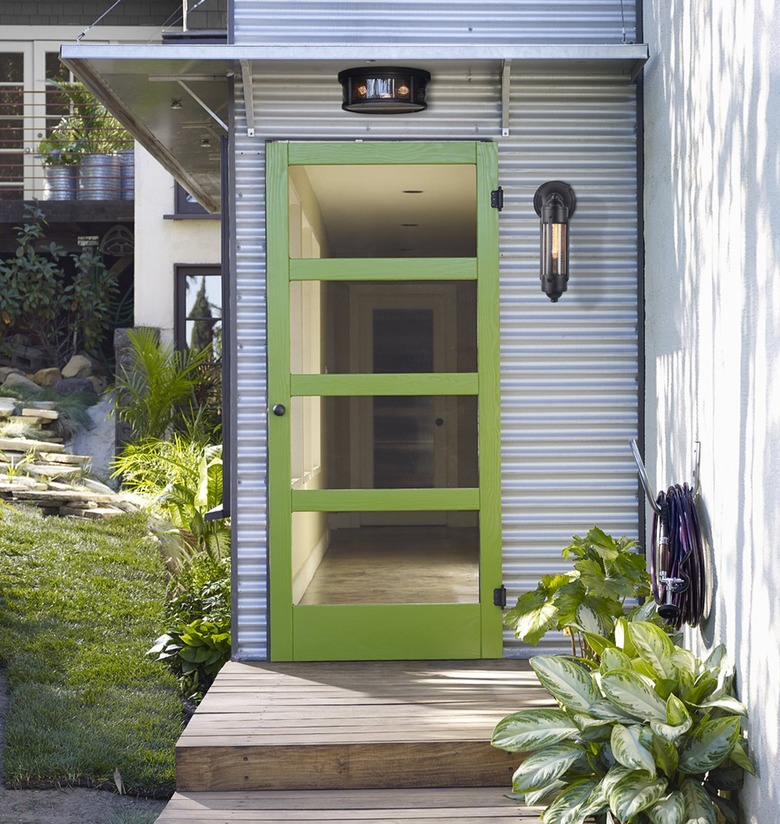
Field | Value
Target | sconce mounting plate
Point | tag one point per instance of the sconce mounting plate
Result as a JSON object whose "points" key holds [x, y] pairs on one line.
{"points": [[555, 187]]}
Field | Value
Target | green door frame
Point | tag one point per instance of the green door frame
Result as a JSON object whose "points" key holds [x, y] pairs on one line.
{"points": [[388, 631]]}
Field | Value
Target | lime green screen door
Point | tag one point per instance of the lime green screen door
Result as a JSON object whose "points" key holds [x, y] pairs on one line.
{"points": [[384, 525]]}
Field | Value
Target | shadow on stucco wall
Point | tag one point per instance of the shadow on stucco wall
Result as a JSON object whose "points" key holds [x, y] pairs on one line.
{"points": [[713, 321]]}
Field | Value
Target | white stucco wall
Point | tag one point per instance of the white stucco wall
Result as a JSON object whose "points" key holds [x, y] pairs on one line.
{"points": [[161, 244], [712, 211]]}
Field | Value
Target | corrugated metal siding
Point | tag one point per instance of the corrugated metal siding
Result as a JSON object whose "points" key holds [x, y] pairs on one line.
{"points": [[569, 370], [428, 22]]}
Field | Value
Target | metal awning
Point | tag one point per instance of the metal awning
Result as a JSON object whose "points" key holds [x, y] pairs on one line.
{"points": [[174, 97]]}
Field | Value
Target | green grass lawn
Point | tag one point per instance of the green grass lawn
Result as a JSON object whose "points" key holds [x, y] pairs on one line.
{"points": [[80, 603]]}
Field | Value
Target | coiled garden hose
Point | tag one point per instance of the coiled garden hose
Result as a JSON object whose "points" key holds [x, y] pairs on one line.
{"points": [[677, 559]]}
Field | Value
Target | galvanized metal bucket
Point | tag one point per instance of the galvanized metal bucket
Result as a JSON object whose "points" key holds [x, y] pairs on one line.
{"points": [[127, 174], [60, 182], [100, 177]]}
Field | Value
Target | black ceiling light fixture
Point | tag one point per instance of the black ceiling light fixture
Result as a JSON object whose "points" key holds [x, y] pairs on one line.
{"points": [[384, 90], [555, 203]]}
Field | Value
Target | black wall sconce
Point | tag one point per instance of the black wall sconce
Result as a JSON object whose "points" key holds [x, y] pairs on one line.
{"points": [[384, 90], [555, 203]]}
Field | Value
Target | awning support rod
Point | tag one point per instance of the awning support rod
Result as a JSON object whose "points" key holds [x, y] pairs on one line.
{"points": [[202, 104]]}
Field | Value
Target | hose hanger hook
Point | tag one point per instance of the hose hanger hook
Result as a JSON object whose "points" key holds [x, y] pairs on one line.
{"points": [[649, 494], [640, 465]]}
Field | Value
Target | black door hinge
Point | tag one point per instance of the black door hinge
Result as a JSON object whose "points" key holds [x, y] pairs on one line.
{"points": [[499, 596], [497, 199]]}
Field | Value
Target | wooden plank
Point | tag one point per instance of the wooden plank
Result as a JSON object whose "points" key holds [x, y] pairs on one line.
{"points": [[488, 805], [346, 766]]}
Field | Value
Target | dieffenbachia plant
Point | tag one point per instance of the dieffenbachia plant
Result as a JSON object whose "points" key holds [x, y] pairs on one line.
{"points": [[650, 735]]}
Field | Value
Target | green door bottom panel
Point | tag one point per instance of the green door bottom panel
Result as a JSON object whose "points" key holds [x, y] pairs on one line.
{"points": [[386, 632]]}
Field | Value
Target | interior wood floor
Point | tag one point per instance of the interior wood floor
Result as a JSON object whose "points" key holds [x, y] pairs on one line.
{"points": [[398, 565]]}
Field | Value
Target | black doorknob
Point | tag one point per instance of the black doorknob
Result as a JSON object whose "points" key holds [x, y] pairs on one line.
{"points": [[279, 410], [439, 421]]}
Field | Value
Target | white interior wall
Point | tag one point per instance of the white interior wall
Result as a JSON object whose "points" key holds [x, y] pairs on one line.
{"points": [[161, 244], [712, 212]]}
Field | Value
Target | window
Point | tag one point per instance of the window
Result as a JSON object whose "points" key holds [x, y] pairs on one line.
{"points": [[12, 105], [199, 309]]}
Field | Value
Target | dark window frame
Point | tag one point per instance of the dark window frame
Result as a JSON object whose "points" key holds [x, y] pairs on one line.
{"points": [[181, 272], [184, 209]]}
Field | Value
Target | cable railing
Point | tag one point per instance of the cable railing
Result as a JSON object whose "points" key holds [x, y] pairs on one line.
{"points": [[61, 144]]}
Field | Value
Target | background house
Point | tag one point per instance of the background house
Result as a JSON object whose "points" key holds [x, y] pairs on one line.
{"points": [[151, 233]]}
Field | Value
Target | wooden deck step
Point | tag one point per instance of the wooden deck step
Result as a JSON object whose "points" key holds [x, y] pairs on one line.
{"points": [[485, 805], [351, 726]]}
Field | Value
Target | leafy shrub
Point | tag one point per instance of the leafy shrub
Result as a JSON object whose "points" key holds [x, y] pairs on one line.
{"points": [[63, 313], [184, 478], [198, 642], [650, 736], [608, 573], [156, 391]]}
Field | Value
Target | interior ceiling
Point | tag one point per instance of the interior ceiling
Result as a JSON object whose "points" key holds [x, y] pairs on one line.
{"points": [[396, 211]]}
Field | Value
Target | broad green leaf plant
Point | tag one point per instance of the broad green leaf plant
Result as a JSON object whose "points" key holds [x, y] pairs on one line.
{"points": [[649, 735], [607, 578]]}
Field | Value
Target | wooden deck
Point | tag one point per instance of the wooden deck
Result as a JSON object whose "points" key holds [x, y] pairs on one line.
{"points": [[389, 741]]}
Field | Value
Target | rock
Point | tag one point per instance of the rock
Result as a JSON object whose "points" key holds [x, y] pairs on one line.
{"points": [[40, 415], [98, 384], [47, 377], [5, 371], [24, 445], [18, 381], [7, 407], [67, 386], [29, 357], [98, 440], [78, 366]]}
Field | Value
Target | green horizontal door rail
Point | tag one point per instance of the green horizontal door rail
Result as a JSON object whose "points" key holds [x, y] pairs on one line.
{"points": [[436, 383], [380, 153], [386, 500], [348, 269]]}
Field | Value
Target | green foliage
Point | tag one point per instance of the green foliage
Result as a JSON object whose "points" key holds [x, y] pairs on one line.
{"points": [[81, 601], [157, 389], [184, 479], [651, 735], [195, 652], [87, 128], [62, 313], [585, 602], [198, 642]]}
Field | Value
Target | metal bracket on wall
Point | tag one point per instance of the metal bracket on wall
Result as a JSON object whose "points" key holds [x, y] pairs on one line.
{"points": [[640, 465], [506, 82], [249, 106]]}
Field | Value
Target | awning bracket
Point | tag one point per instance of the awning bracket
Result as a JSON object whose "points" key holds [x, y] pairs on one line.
{"points": [[246, 77], [506, 80]]}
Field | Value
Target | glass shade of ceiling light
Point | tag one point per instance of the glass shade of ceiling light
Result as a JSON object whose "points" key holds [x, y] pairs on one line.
{"points": [[555, 203], [384, 90]]}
